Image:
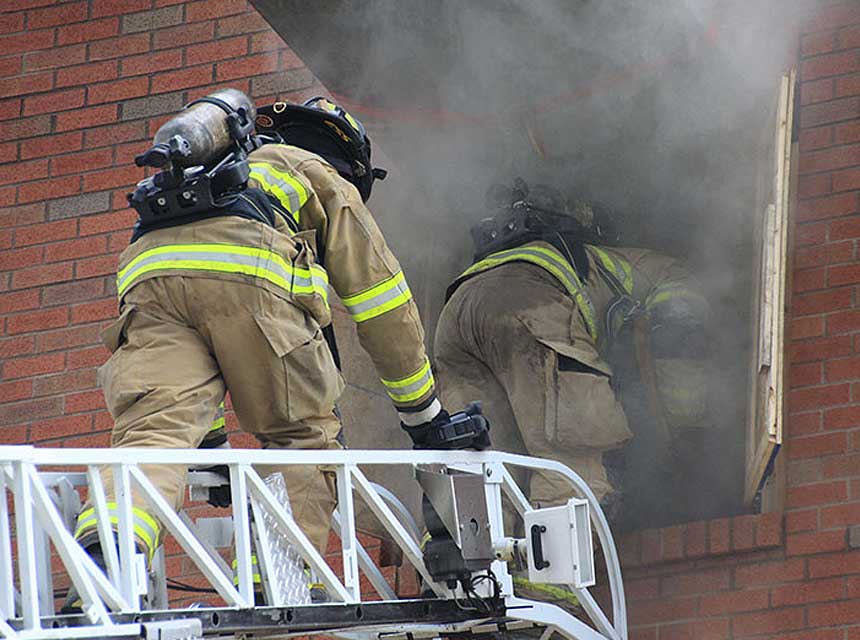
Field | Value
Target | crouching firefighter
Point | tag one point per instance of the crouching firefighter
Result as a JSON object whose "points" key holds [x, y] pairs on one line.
{"points": [[225, 285], [534, 327]]}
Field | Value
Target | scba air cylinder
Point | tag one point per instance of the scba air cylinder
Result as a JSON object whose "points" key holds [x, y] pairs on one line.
{"points": [[204, 125]]}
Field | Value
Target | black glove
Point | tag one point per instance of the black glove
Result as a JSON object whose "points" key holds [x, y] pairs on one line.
{"points": [[467, 429]]}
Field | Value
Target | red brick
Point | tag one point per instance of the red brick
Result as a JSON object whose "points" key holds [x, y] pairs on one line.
{"points": [[88, 31], [126, 176], [33, 365], [833, 64], [810, 280], [79, 248], [716, 629], [30, 83], [19, 258], [848, 38], [209, 9], [51, 145], [846, 180], [83, 358], [816, 494], [85, 118], [846, 132], [98, 440], [64, 14], [843, 369], [11, 22], [60, 427], [662, 610], [814, 591], [818, 397], [84, 401], [846, 228], [847, 86], [718, 535], [821, 349], [266, 41], [222, 49], [802, 520], [702, 581], [811, 233], [20, 412], [7, 197], [696, 539], [70, 337], [91, 267], [773, 621], [834, 565], [35, 276], [20, 346], [182, 79], [19, 216], [821, 302], [817, 91], [805, 375], [119, 47], [842, 418], [118, 90], [768, 530], [183, 35], [818, 445], [834, 111], [673, 542], [814, 185], [46, 232], [837, 613], [245, 67], [69, 292], [645, 589], [840, 252], [93, 311], [146, 63], [56, 57], [108, 222], [743, 533], [65, 382], [802, 544], [817, 43], [845, 274], [828, 207], [629, 546], [11, 66], [651, 546], [816, 138], [249, 23], [39, 321], [842, 466], [86, 74], [840, 515], [733, 602], [101, 8], [26, 41], [133, 132], [768, 573], [19, 301], [16, 390], [23, 171], [81, 162]]}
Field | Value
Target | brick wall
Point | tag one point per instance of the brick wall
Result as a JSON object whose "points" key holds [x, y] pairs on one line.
{"points": [[793, 575]]}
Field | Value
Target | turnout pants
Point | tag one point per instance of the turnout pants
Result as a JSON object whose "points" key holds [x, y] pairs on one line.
{"points": [[514, 339], [179, 344]]}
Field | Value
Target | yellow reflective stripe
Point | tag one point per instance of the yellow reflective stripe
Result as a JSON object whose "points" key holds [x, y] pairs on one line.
{"points": [[379, 299], [257, 578], [559, 593], [666, 292], [227, 258], [144, 525], [412, 386], [289, 191], [219, 420], [555, 264], [618, 266]]}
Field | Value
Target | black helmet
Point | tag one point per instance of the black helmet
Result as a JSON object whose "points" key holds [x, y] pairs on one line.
{"points": [[326, 129]]}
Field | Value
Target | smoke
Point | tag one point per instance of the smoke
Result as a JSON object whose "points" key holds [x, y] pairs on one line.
{"points": [[657, 108]]}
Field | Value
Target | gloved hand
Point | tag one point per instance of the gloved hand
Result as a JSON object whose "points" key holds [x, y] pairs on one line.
{"points": [[218, 496], [467, 429]]}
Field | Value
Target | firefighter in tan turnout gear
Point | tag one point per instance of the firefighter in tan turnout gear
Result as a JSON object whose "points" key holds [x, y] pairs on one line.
{"points": [[229, 291], [534, 326]]}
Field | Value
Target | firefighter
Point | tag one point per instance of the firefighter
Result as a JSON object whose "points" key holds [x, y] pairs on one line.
{"points": [[536, 323], [236, 297]]}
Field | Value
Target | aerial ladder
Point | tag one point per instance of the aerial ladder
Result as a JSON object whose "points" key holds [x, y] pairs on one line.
{"points": [[472, 505]]}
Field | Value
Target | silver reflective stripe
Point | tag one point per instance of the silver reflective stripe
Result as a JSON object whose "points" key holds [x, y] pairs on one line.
{"points": [[148, 263], [294, 200], [396, 290]]}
